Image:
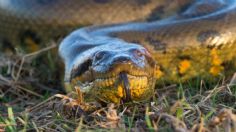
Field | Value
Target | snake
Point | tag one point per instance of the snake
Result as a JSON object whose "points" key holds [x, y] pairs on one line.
{"points": [[124, 49]]}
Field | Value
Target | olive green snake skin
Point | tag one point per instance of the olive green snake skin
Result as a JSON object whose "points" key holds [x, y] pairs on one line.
{"points": [[123, 62], [45, 20]]}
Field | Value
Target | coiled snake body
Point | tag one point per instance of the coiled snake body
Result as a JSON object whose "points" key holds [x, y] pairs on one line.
{"points": [[121, 62]]}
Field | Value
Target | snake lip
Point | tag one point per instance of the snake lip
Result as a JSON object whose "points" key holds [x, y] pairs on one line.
{"points": [[109, 78], [92, 74], [111, 81]]}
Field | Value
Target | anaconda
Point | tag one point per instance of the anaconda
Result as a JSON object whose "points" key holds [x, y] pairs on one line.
{"points": [[123, 62]]}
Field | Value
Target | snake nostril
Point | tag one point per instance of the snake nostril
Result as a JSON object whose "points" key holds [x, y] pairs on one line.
{"points": [[121, 59], [138, 53]]}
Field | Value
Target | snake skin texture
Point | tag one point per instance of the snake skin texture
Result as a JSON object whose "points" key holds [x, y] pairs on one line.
{"points": [[157, 40], [43, 20]]}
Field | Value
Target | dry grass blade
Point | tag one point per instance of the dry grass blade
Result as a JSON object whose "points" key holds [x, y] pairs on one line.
{"points": [[213, 92], [113, 120], [225, 118], [233, 80]]}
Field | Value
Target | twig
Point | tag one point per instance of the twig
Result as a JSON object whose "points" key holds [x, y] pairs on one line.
{"points": [[38, 106], [32, 54], [10, 83], [29, 91]]}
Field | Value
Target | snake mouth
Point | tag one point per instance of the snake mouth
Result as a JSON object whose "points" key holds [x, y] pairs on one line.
{"points": [[121, 83]]}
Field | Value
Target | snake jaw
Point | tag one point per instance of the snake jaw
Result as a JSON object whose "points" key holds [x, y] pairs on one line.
{"points": [[118, 85], [123, 87]]}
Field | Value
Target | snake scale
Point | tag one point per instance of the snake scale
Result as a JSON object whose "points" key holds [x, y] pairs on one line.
{"points": [[131, 45]]}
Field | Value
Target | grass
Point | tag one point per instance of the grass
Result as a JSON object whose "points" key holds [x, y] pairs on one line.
{"points": [[9, 122], [196, 105]]}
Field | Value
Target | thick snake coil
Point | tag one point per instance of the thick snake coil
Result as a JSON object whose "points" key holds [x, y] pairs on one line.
{"points": [[123, 62]]}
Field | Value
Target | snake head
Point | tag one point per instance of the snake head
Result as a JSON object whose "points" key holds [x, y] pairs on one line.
{"points": [[117, 73]]}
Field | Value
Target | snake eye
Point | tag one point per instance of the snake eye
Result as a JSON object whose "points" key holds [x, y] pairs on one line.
{"points": [[100, 55]]}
